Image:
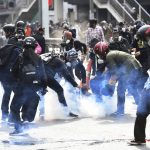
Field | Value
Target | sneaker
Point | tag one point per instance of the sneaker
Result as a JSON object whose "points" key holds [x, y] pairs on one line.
{"points": [[92, 76], [117, 114], [72, 115], [137, 142], [10, 121], [41, 118], [4, 118], [17, 132]]}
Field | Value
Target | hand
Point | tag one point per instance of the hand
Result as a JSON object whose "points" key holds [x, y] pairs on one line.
{"points": [[43, 91], [84, 85], [137, 54], [79, 86], [112, 80], [133, 50]]}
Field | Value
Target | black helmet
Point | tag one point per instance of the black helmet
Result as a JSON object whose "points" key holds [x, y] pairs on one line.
{"points": [[20, 24], [93, 42], [121, 24], [115, 30], [9, 28], [72, 54], [30, 42], [143, 32], [138, 24]]}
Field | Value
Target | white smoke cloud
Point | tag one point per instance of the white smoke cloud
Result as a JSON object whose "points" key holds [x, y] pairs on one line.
{"points": [[84, 106]]}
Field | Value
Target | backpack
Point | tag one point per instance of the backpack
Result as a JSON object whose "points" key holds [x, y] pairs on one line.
{"points": [[28, 73], [5, 53], [32, 74], [38, 49]]}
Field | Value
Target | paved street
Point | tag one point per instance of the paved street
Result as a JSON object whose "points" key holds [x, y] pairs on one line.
{"points": [[91, 131]]}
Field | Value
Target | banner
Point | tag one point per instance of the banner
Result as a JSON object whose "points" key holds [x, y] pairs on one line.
{"points": [[51, 4]]}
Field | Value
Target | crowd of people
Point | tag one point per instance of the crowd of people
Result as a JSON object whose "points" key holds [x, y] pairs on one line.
{"points": [[115, 57]]}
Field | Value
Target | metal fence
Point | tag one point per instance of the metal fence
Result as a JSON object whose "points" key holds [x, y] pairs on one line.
{"points": [[136, 10]]}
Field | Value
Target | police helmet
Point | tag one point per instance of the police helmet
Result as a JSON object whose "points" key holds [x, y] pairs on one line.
{"points": [[20, 24], [9, 28], [30, 42]]}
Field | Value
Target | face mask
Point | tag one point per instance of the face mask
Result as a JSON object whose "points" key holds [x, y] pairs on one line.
{"points": [[123, 29], [100, 61], [67, 41]]}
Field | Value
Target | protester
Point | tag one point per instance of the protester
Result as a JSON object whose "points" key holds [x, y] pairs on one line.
{"points": [[144, 105], [123, 68], [75, 65], [94, 31], [11, 51], [30, 72], [39, 36]]}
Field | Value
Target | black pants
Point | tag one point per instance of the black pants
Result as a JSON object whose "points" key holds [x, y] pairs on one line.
{"points": [[139, 128], [54, 85], [29, 109], [8, 87], [142, 113], [25, 96]]}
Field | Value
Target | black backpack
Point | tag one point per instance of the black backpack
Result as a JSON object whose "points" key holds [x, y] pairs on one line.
{"points": [[5, 53], [32, 74], [29, 73]]}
